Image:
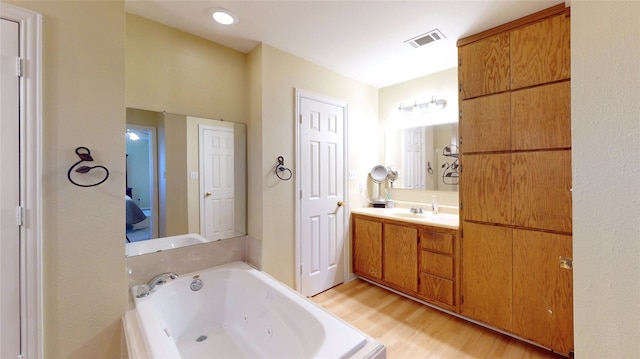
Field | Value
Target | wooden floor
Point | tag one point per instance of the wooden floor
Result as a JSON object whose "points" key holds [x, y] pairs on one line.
{"points": [[412, 330]]}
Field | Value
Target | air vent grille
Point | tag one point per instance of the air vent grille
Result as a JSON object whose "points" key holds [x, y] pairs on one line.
{"points": [[426, 38]]}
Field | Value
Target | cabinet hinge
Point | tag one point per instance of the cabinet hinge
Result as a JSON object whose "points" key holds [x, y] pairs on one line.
{"points": [[460, 140], [19, 67], [461, 299], [19, 216], [459, 87], [459, 61], [460, 117], [461, 233], [461, 206]]}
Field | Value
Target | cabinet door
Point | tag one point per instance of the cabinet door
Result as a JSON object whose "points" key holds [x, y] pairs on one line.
{"points": [[486, 124], [542, 190], [543, 289], [541, 52], [401, 256], [541, 117], [486, 188], [367, 247], [487, 274], [484, 66]]}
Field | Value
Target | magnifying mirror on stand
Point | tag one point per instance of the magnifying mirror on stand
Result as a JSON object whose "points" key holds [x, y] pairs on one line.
{"points": [[378, 175]]}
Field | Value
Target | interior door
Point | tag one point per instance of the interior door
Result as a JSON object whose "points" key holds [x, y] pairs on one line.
{"points": [[9, 191], [217, 182], [321, 130]]}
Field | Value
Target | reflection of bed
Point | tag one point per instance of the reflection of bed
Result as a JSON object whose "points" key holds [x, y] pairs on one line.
{"points": [[136, 219]]}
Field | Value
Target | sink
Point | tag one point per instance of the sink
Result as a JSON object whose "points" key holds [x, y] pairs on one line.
{"points": [[410, 215]]}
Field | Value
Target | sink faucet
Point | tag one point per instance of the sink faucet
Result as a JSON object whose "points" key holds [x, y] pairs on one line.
{"points": [[415, 210], [145, 289]]}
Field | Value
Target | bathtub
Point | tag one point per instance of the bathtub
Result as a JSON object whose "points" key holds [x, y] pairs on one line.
{"points": [[163, 243], [241, 312]]}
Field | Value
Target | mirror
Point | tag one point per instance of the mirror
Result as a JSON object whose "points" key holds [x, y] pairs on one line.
{"points": [[184, 175], [425, 158]]}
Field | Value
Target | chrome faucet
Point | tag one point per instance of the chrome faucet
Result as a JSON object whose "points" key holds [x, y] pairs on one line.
{"points": [[145, 289], [416, 210]]}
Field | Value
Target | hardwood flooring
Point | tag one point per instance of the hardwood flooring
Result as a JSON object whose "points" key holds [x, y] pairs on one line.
{"points": [[412, 330]]}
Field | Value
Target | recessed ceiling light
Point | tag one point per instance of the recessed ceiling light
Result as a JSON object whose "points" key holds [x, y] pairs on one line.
{"points": [[224, 16]]}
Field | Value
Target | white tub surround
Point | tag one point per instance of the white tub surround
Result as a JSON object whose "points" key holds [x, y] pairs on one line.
{"points": [[239, 312], [444, 220]]}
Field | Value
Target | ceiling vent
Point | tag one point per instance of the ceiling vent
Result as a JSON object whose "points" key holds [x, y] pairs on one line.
{"points": [[427, 38]]}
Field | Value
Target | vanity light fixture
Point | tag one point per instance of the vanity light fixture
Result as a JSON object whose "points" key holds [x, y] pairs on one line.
{"points": [[433, 105], [408, 110], [224, 16]]}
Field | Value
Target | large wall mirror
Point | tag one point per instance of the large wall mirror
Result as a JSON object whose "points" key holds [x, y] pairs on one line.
{"points": [[185, 180], [425, 158]]}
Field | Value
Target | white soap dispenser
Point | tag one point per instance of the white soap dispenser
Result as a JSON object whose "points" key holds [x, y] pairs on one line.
{"points": [[434, 204]]}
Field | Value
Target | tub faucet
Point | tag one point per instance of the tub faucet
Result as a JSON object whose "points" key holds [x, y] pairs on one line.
{"points": [[161, 279], [144, 290]]}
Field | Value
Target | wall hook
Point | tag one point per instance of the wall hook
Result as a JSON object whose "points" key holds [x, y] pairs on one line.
{"points": [[281, 168], [85, 156]]}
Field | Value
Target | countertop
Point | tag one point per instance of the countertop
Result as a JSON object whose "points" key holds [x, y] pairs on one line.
{"points": [[444, 220]]}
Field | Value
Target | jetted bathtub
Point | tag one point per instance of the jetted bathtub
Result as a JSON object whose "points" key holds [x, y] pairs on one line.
{"points": [[240, 312]]}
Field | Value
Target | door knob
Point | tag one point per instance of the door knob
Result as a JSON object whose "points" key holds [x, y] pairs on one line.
{"points": [[207, 194], [340, 203]]}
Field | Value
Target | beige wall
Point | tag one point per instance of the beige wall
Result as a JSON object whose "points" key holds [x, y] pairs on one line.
{"points": [[281, 74], [605, 58], [83, 105], [169, 70]]}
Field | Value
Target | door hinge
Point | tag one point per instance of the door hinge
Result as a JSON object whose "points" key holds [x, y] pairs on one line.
{"points": [[20, 216], [19, 67], [300, 269], [300, 194]]}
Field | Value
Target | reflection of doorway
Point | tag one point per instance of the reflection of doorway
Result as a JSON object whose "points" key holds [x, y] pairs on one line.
{"points": [[217, 191], [141, 180]]}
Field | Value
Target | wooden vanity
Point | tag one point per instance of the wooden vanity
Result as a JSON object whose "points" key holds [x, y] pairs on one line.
{"points": [[417, 259]]}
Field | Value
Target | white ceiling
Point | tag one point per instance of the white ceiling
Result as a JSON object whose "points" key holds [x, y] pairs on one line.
{"points": [[363, 40]]}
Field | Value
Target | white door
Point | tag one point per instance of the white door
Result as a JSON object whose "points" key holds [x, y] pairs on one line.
{"points": [[321, 181], [9, 192], [217, 208]]}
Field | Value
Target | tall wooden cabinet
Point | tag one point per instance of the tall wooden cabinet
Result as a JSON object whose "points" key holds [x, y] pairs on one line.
{"points": [[515, 183]]}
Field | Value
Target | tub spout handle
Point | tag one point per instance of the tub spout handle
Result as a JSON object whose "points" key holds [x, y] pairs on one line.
{"points": [[160, 279]]}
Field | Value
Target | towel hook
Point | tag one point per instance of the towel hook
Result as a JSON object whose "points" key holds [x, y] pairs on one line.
{"points": [[281, 168], [85, 156]]}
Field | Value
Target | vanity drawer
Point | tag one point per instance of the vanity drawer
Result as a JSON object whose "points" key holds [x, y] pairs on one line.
{"points": [[436, 288], [437, 242], [438, 264]]}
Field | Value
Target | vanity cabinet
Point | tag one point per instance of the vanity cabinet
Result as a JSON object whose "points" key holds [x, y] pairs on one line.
{"points": [[515, 181], [438, 270], [367, 247], [415, 259], [400, 260]]}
